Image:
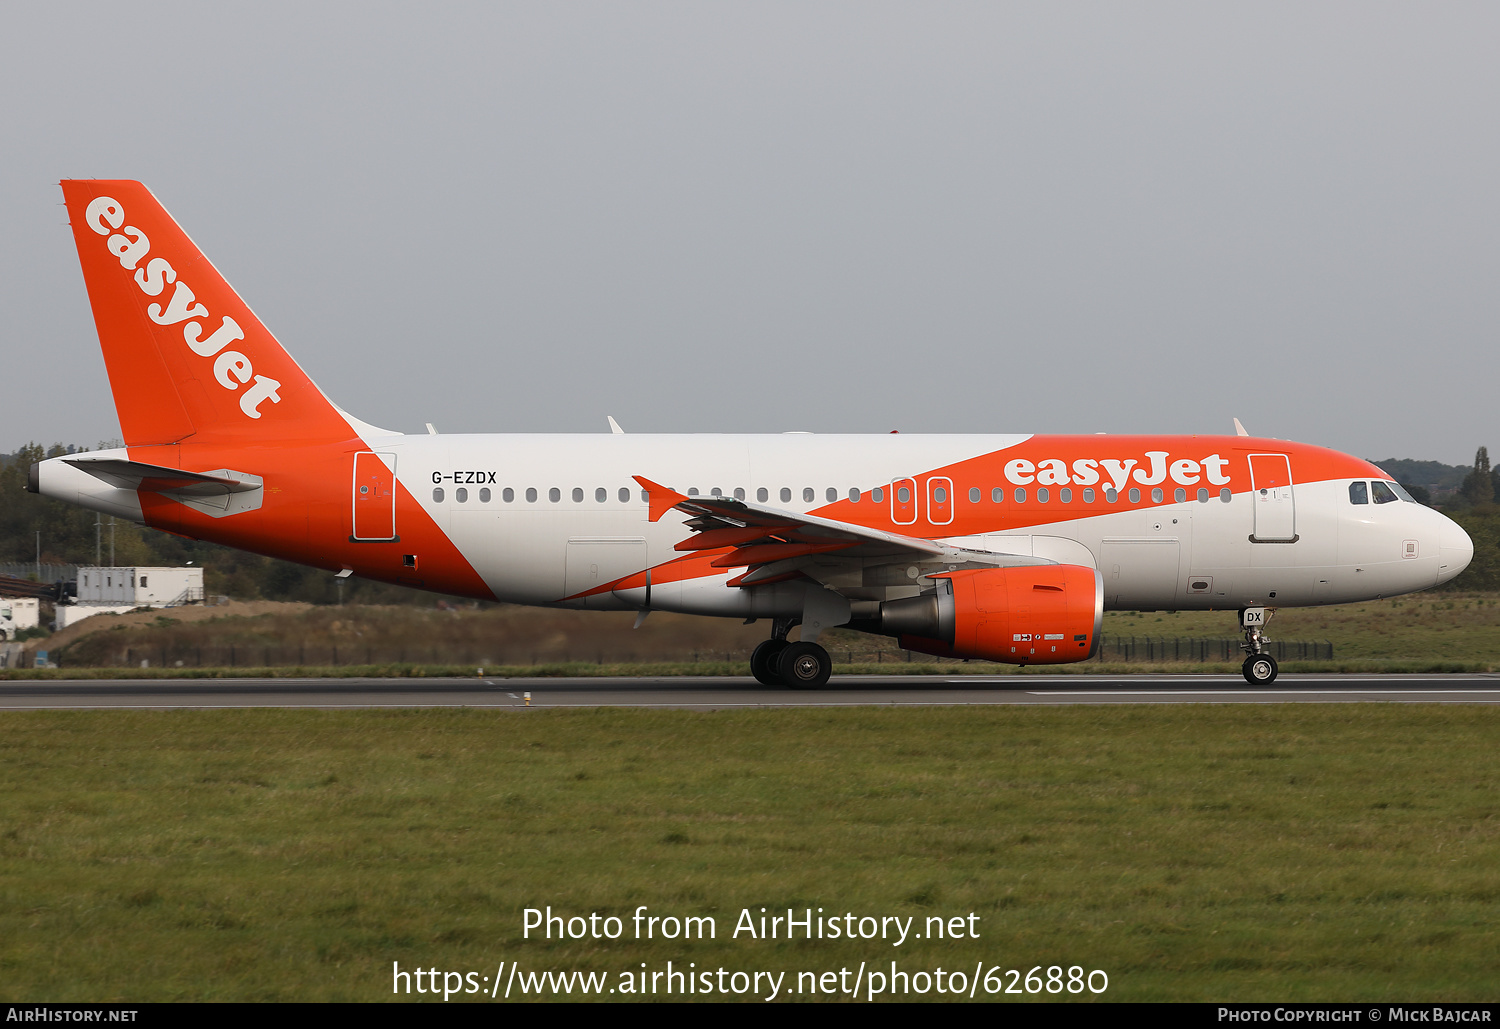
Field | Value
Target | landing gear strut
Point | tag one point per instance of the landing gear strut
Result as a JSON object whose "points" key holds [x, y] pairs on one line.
{"points": [[1260, 667]]}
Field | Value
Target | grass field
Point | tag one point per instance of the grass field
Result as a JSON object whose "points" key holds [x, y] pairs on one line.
{"points": [[1436, 632], [1208, 853]]}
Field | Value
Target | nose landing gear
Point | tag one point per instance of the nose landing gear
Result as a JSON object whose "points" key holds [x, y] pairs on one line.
{"points": [[1259, 668]]}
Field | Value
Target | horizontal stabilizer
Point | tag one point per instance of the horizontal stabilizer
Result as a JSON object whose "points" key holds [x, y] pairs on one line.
{"points": [[153, 478]]}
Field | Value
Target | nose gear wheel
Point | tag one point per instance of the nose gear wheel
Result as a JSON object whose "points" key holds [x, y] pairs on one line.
{"points": [[1260, 669]]}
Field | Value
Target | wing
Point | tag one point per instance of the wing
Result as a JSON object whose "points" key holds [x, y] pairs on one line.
{"points": [[775, 544]]}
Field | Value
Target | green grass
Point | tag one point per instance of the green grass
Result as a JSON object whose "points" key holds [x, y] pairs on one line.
{"points": [[1333, 852], [1454, 627], [1460, 630]]}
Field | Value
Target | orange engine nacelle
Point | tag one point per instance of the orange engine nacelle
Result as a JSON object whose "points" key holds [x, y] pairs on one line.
{"points": [[1040, 614]]}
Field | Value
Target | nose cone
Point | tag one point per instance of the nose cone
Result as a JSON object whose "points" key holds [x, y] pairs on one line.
{"points": [[1455, 550]]}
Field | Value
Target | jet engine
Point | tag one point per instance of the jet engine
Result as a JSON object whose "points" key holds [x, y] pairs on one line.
{"points": [[1039, 614]]}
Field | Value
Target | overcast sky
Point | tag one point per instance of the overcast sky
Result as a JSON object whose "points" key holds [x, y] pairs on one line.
{"points": [[756, 217]]}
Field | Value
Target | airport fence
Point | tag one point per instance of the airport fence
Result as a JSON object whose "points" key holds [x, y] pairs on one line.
{"points": [[1156, 649], [49, 572], [1143, 649]]}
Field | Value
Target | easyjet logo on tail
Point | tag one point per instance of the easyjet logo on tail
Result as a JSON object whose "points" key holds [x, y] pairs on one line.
{"points": [[1086, 471], [232, 369]]}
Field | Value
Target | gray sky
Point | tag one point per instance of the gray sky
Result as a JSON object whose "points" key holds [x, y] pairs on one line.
{"points": [[1040, 217]]}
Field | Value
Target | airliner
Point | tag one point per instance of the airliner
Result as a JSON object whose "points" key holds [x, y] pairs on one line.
{"points": [[1005, 547]]}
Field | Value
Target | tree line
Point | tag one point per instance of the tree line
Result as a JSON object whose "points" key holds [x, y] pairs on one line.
{"points": [[68, 534]]}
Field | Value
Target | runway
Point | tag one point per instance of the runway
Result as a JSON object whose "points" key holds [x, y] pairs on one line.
{"points": [[724, 693]]}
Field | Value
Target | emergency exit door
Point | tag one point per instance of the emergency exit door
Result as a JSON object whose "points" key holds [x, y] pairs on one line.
{"points": [[374, 497], [1271, 493]]}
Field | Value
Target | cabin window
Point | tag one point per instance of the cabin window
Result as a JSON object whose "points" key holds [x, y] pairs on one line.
{"points": [[939, 495], [1110, 495], [437, 495], [786, 495], [739, 493], [1135, 495], [1180, 495], [645, 496], [1225, 495], [973, 494], [807, 494], [877, 495], [577, 494], [832, 494], [1156, 495], [554, 494], [762, 495], [143, 582], [692, 491], [624, 494], [1043, 495], [1088, 495], [1202, 496], [997, 495], [903, 495], [1383, 493], [508, 495], [484, 495], [1020, 495], [1065, 495], [461, 495]]}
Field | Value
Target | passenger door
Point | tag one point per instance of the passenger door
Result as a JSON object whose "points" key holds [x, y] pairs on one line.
{"points": [[1271, 493]]}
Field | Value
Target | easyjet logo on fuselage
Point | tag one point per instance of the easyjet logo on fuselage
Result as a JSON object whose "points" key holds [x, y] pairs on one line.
{"points": [[1156, 469], [232, 369]]}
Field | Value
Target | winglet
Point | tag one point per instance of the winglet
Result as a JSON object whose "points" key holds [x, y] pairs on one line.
{"points": [[660, 497], [1239, 430], [614, 426]]}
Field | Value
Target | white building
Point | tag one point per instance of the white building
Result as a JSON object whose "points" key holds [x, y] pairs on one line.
{"points": [[120, 589], [18, 613]]}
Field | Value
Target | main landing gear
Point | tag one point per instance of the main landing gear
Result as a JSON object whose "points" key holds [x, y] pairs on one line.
{"points": [[1260, 667], [802, 666]]}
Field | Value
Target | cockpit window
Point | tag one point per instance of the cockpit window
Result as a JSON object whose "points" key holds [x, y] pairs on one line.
{"points": [[1358, 493], [1400, 491], [1383, 492]]}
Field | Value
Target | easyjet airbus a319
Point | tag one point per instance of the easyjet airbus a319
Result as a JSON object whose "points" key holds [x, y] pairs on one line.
{"points": [[998, 547]]}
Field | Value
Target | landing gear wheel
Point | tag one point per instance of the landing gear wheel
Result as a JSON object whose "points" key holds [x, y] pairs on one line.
{"points": [[763, 662], [1260, 669], [804, 666]]}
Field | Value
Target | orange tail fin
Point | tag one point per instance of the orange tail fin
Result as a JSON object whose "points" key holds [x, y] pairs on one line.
{"points": [[186, 356]]}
